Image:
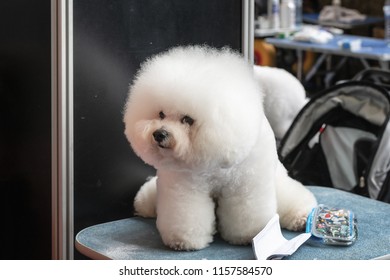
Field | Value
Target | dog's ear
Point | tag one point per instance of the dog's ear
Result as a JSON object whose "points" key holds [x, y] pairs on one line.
{"points": [[224, 144]]}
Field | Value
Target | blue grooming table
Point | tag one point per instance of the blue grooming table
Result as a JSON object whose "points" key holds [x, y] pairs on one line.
{"points": [[371, 48], [138, 238], [313, 18]]}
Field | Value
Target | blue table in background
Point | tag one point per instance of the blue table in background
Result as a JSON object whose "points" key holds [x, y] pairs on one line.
{"points": [[138, 238], [371, 48], [313, 18]]}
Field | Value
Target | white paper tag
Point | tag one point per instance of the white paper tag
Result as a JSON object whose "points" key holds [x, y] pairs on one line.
{"points": [[270, 244]]}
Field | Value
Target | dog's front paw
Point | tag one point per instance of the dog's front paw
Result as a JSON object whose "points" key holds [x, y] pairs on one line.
{"points": [[145, 200], [294, 221], [188, 244], [239, 240]]}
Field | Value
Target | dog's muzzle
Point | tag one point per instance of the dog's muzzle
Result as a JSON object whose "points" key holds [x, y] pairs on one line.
{"points": [[161, 136]]}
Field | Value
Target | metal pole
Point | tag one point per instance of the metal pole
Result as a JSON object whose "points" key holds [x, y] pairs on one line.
{"points": [[62, 129]]}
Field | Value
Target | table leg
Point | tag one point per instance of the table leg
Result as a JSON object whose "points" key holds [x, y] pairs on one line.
{"points": [[300, 64], [365, 63], [331, 73], [384, 64], [315, 67]]}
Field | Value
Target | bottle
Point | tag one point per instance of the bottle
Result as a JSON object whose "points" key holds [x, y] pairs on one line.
{"points": [[287, 14], [274, 13], [386, 11], [337, 9], [298, 13]]}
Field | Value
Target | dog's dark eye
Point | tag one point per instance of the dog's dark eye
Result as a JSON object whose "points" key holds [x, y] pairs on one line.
{"points": [[187, 120], [161, 115]]}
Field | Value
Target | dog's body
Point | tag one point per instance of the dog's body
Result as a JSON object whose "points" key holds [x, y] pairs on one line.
{"points": [[284, 97], [196, 115]]}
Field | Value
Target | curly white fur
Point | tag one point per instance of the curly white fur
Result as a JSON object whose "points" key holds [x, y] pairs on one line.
{"points": [[196, 115], [284, 97]]}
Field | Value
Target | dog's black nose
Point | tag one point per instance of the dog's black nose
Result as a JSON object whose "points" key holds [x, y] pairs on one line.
{"points": [[160, 135]]}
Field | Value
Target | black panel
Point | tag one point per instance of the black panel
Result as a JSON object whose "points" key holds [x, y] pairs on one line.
{"points": [[25, 130], [111, 39]]}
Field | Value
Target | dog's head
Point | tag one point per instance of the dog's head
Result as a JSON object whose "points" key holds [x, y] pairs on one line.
{"points": [[193, 108]]}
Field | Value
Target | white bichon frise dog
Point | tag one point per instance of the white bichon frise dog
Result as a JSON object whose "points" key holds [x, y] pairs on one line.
{"points": [[284, 97], [196, 115]]}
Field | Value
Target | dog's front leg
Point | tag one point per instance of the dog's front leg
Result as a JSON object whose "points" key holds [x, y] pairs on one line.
{"points": [[243, 215], [185, 215]]}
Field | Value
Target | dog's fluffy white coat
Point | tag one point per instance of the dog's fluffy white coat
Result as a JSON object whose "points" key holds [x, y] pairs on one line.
{"points": [[284, 97], [217, 154]]}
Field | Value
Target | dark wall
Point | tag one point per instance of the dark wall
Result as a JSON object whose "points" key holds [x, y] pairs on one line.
{"points": [[25, 130], [111, 39]]}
